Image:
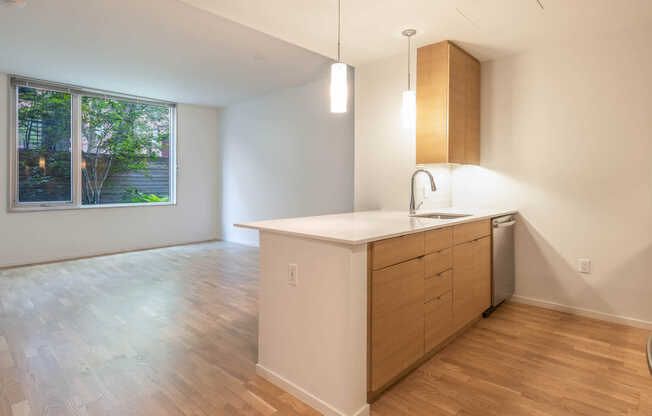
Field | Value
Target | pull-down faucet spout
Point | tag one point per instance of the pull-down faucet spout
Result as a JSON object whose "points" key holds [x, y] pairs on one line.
{"points": [[433, 187]]}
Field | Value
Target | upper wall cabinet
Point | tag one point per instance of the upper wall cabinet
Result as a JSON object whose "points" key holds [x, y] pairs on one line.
{"points": [[448, 105]]}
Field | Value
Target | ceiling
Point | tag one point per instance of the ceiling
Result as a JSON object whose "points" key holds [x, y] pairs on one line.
{"points": [[487, 28], [172, 51], [216, 52]]}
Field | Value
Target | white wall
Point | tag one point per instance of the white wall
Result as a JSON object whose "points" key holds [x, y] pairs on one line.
{"points": [[47, 235], [319, 326], [566, 139], [384, 150], [285, 155]]}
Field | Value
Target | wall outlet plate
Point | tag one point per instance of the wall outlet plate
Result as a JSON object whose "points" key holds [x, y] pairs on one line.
{"points": [[584, 265], [293, 274]]}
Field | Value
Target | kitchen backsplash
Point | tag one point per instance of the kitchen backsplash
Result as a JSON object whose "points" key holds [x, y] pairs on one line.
{"points": [[441, 198]]}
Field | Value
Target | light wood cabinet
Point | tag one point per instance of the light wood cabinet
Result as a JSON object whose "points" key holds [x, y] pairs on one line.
{"points": [[439, 239], [448, 105], [438, 262], [423, 288], [437, 285], [439, 320], [471, 280], [397, 334], [397, 249], [471, 231]]}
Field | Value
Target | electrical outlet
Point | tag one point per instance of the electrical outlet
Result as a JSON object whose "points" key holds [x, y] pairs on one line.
{"points": [[293, 274], [584, 265], [426, 190]]}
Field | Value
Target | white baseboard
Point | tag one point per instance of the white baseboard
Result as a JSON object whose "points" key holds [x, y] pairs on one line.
{"points": [[602, 316], [308, 398], [100, 253]]}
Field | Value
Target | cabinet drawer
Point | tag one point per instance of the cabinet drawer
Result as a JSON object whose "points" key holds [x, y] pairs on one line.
{"points": [[395, 287], [439, 320], [440, 239], [471, 231], [437, 285], [396, 250], [438, 262]]}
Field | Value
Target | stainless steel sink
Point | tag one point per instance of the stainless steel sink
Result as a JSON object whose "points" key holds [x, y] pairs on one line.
{"points": [[439, 216]]}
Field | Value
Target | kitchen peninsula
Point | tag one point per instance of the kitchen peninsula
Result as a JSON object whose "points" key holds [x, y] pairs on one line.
{"points": [[350, 303]]}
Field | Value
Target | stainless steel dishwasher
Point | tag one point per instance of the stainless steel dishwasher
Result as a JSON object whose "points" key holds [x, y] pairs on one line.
{"points": [[502, 261]]}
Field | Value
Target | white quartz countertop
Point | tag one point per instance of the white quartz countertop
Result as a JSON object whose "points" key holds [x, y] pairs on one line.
{"points": [[367, 226]]}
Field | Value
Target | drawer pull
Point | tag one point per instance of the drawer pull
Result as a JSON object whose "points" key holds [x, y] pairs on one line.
{"points": [[441, 274]]}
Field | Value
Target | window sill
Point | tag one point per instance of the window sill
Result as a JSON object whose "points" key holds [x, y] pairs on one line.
{"points": [[62, 207]]}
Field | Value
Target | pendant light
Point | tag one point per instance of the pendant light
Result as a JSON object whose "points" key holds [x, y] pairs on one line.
{"points": [[409, 109], [339, 87]]}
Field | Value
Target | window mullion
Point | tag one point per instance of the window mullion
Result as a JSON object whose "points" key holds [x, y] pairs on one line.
{"points": [[172, 155], [13, 147], [76, 151]]}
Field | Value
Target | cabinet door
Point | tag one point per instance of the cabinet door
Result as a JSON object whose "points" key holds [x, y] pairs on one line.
{"points": [[464, 108], [482, 286], [463, 278], [397, 320], [432, 104], [471, 280], [439, 319]]}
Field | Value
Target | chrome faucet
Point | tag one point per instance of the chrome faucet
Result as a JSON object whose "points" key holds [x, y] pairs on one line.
{"points": [[433, 187]]}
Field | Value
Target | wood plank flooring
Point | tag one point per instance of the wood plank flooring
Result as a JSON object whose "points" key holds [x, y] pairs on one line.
{"points": [[530, 361], [162, 332], [174, 332]]}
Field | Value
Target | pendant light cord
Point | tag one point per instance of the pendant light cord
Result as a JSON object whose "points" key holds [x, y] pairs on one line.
{"points": [[408, 33], [408, 54], [339, 28]]}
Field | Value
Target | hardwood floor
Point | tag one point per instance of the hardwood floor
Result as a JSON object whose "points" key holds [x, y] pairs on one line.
{"points": [[174, 332], [163, 332], [530, 361]]}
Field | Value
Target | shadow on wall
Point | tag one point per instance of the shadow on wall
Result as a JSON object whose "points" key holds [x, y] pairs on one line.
{"points": [[284, 155], [482, 51], [548, 272], [500, 129], [621, 283]]}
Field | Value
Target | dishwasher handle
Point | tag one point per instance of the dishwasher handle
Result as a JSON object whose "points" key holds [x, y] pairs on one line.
{"points": [[504, 224]]}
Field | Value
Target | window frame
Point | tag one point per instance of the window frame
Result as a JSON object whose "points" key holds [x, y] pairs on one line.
{"points": [[76, 94]]}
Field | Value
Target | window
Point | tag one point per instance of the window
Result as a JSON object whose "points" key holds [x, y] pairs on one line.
{"points": [[125, 152], [44, 131], [77, 148]]}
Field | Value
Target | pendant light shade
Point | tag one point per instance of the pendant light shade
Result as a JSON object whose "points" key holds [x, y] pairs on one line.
{"points": [[409, 108], [339, 82], [339, 88]]}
